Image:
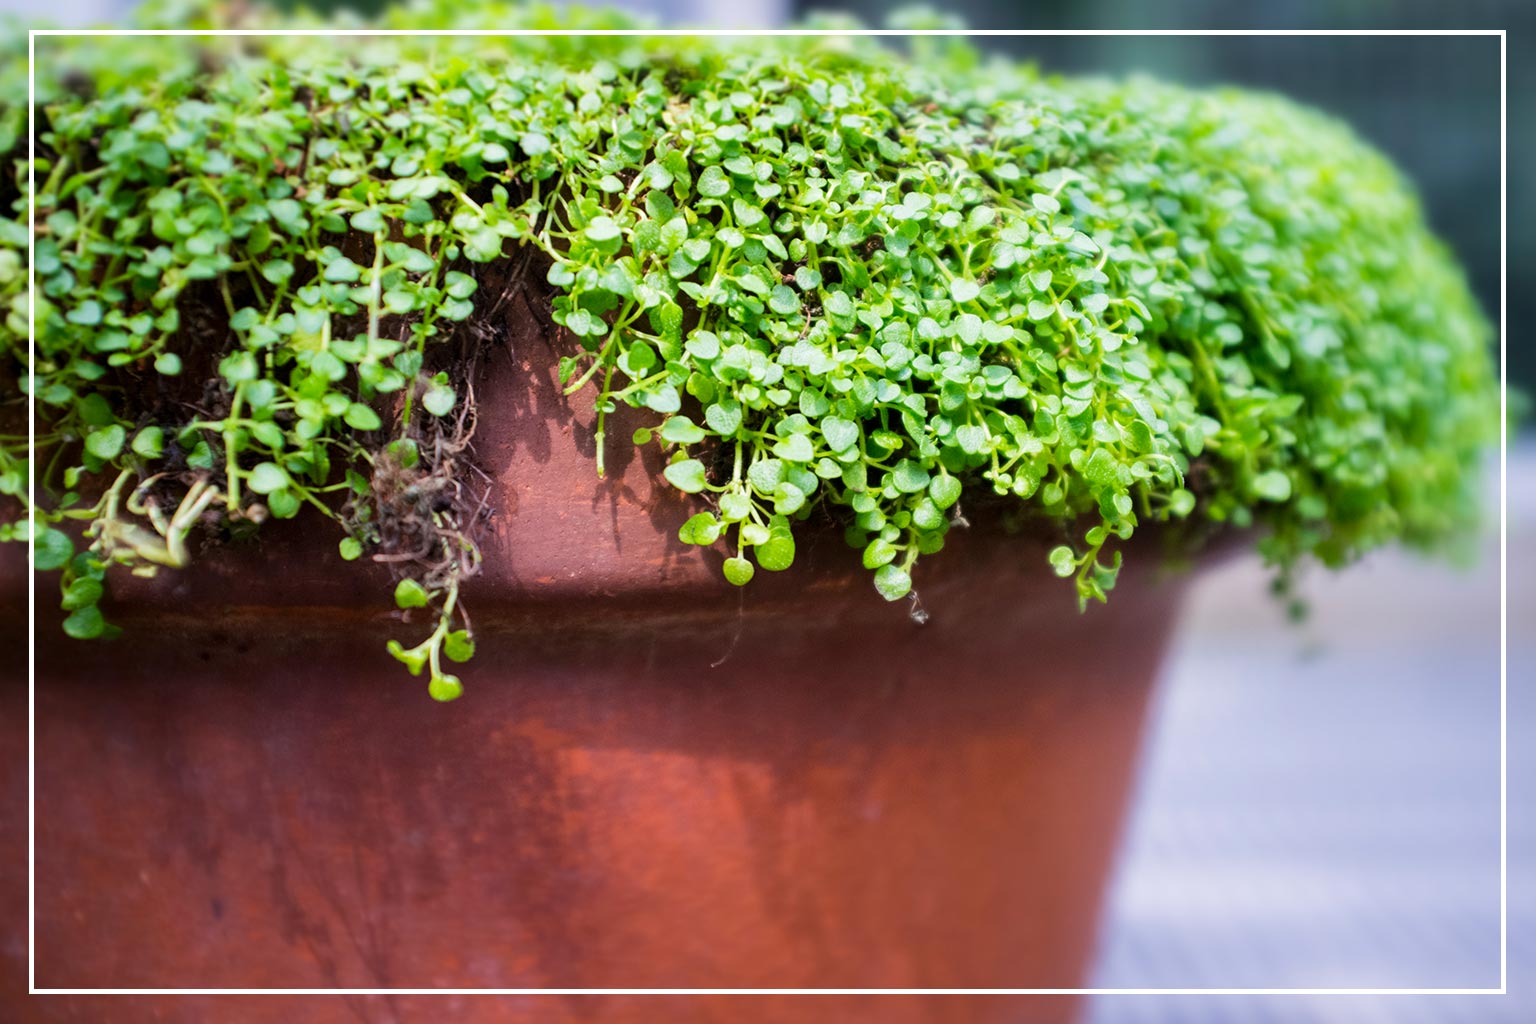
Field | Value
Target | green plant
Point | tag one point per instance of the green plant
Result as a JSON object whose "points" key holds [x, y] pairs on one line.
{"points": [[840, 278]]}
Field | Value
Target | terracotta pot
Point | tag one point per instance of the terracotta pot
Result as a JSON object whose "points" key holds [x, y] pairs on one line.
{"points": [[653, 779]]}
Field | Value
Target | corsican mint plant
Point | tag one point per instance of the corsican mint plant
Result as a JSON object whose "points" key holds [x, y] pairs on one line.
{"points": [[840, 277]]}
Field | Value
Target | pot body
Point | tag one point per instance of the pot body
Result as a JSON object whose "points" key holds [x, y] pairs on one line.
{"points": [[653, 779]]}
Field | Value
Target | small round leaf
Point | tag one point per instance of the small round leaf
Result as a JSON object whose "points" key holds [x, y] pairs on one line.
{"points": [[410, 594], [739, 571], [267, 478], [893, 582], [687, 475]]}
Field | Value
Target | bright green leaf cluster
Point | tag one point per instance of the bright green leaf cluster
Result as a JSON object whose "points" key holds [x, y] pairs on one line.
{"points": [[839, 277]]}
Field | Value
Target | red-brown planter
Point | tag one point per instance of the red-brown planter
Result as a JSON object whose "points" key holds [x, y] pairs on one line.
{"points": [[653, 779]]}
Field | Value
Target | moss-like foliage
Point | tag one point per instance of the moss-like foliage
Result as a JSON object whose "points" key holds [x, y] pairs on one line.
{"points": [[842, 277]]}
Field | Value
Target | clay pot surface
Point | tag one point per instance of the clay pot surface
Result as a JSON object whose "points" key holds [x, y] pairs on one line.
{"points": [[653, 780]]}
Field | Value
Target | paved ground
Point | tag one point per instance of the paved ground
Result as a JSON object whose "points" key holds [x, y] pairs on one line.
{"points": [[1319, 806]]}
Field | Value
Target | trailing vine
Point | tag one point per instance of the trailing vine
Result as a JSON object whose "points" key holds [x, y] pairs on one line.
{"points": [[840, 276]]}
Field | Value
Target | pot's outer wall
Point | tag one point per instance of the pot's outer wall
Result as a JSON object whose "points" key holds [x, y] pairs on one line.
{"points": [[653, 780]]}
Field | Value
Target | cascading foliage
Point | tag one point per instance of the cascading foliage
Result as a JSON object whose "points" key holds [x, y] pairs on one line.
{"points": [[842, 277]]}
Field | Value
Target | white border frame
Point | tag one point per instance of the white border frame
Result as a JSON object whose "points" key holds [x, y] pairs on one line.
{"points": [[31, 605]]}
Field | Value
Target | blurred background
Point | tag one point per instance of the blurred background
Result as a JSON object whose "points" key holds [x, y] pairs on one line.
{"points": [[1319, 805]]}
